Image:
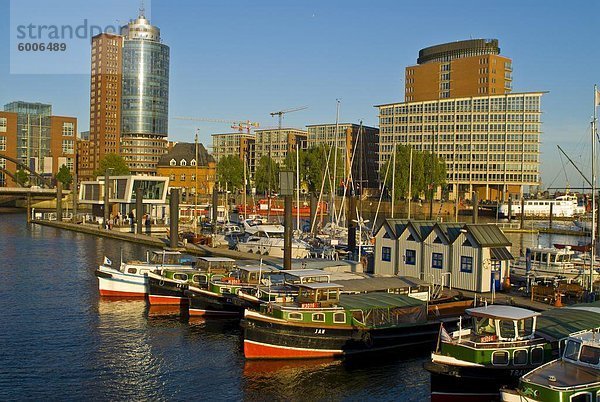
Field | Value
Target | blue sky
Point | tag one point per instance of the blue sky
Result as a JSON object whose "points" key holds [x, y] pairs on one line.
{"points": [[241, 60]]}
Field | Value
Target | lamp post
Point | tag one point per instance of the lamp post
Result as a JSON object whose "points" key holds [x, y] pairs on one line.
{"points": [[107, 196], [286, 182]]}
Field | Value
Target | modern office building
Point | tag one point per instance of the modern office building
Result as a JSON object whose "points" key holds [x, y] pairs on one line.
{"points": [[238, 144], [188, 173], [129, 97], [145, 96], [459, 69], [276, 143], [359, 145], [491, 144], [30, 134]]}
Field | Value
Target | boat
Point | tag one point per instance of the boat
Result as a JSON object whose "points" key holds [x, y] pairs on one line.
{"points": [[130, 279], [222, 295], [564, 206], [168, 286], [547, 263], [574, 377], [269, 240], [276, 208], [580, 248], [322, 323], [471, 364], [501, 344]]}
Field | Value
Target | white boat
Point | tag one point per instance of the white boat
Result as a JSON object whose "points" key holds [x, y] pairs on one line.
{"points": [[268, 240], [548, 263], [564, 206], [130, 279]]}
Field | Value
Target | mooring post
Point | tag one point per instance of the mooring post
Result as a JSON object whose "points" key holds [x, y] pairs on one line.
{"points": [[59, 201], [509, 209], [352, 225], [75, 195], [522, 212], [106, 199], [475, 207], [139, 209], [29, 207], [174, 217], [551, 214], [215, 203]]}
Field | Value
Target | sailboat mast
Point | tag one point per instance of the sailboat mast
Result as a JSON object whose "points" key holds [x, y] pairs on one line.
{"points": [[393, 175], [335, 152], [593, 251], [196, 184], [410, 181], [298, 186]]}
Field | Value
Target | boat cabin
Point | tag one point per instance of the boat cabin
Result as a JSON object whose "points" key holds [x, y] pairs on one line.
{"points": [[215, 264], [164, 257], [584, 349], [255, 275], [302, 276], [549, 256], [502, 323], [315, 295]]}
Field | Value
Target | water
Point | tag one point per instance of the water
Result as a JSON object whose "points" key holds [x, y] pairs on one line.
{"points": [[60, 341]]}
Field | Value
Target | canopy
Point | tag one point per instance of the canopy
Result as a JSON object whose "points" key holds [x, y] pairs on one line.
{"points": [[377, 300]]}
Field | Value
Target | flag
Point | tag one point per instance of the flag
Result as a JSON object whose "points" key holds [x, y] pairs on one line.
{"points": [[596, 97], [444, 335], [107, 261]]}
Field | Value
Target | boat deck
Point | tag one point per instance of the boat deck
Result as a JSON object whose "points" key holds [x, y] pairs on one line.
{"points": [[562, 374]]}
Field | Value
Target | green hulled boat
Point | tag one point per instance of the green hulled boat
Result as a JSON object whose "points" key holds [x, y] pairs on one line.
{"points": [[573, 378]]}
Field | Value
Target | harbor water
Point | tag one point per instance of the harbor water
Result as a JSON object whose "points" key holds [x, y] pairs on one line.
{"points": [[61, 341]]}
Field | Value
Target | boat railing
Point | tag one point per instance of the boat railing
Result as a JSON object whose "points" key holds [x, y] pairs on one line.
{"points": [[491, 342]]}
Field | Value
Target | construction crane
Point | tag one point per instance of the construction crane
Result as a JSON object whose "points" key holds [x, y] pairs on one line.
{"points": [[238, 125], [282, 112]]}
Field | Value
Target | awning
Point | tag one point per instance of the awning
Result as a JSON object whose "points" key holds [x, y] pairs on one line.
{"points": [[501, 254]]}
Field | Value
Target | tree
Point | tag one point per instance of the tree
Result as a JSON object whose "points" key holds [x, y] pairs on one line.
{"points": [[265, 166], [114, 162], [313, 165], [21, 177], [230, 172], [428, 172], [64, 176]]}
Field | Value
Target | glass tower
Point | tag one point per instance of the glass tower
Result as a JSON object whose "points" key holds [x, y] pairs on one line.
{"points": [[145, 96]]}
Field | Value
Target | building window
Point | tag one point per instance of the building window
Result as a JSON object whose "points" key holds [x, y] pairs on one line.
{"points": [[386, 254], [67, 146], [2, 124], [183, 177], [183, 162], [193, 162], [68, 129], [172, 177], [437, 260], [411, 257], [173, 162], [2, 143], [70, 164], [466, 264], [193, 177]]}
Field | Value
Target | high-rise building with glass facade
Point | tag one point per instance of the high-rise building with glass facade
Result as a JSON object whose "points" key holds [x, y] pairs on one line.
{"points": [[145, 96], [129, 98]]}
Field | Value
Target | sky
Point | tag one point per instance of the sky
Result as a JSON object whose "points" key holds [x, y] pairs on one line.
{"points": [[241, 60]]}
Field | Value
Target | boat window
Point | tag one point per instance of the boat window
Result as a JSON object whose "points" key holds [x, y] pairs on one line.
{"points": [[181, 277], [544, 257], [358, 316], [295, 316], [535, 257], [196, 278], [132, 271], [525, 327], [572, 350], [537, 355], [216, 278], [339, 318], [485, 326], [318, 317], [201, 279], [590, 355], [225, 290], [507, 329], [520, 357], [581, 397], [500, 358]]}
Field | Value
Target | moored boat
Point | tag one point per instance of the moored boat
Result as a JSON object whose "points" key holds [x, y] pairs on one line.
{"points": [[566, 206], [268, 240], [322, 323], [546, 263], [130, 279], [168, 287], [575, 377]]}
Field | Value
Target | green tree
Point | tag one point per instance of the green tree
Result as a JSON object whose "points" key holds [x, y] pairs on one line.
{"points": [[64, 176], [21, 177], [267, 167], [230, 171], [114, 162], [428, 171]]}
